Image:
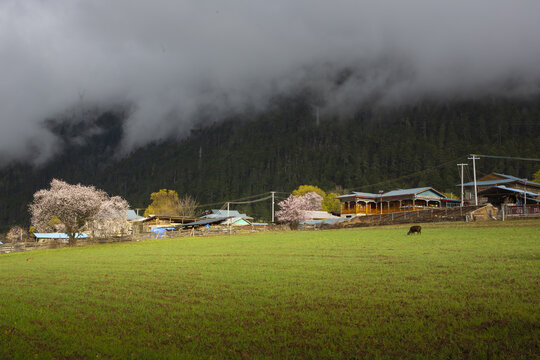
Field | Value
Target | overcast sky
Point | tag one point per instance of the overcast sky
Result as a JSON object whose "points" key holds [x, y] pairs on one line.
{"points": [[169, 58]]}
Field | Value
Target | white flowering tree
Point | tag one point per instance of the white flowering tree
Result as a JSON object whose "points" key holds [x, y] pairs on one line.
{"points": [[293, 209], [74, 206], [111, 218], [15, 234]]}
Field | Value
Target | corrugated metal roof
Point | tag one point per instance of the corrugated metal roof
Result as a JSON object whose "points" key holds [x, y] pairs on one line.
{"points": [[364, 194], [507, 176], [488, 182], [322, 222], [202, 222], [358, 194], [508, 179], [132, 215], [401, 192], [217, 213], [392, 193], [311, 214], [59, 236], [513, 190]]}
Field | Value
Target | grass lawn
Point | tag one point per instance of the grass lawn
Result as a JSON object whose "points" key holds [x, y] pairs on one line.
{"points": [[456, 291]]}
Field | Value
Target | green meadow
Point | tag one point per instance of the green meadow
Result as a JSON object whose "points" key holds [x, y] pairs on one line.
{"points": [[460, 291]]}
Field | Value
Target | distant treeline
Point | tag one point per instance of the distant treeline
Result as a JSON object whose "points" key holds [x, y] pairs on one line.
{"points": [[284, 147]]}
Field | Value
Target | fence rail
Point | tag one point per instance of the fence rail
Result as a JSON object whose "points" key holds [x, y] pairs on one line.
{"points": [[466, 213], [529, 209]]}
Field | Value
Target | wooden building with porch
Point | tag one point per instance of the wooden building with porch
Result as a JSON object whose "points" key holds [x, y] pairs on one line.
{"points": [[155, 221], [361, 203], [499, 184]]}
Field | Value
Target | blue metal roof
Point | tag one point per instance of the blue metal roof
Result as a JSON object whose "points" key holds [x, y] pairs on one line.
{"points": [[203, 222], [217, 213], [401, 192], [132, 215], [59, 236], [358, 194], [507, 176], [364, 194], [508, 179], [398, 192], [514, 190], [488, 182]]}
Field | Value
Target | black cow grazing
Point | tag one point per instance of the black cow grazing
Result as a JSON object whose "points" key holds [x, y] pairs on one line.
{"points": [[415, 229]]}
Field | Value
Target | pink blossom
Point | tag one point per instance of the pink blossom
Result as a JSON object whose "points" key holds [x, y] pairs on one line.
{"points": [[293, 209], [74, 205]]}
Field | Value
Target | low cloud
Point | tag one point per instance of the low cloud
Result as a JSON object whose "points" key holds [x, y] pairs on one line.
{"points": [[169, 60]]}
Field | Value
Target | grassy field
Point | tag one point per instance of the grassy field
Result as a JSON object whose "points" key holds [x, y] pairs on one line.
{"points": [[456, 291]]}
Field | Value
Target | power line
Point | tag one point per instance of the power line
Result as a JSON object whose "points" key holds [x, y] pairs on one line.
{"points": [[410, 175], [235, 200], [506, 157], [249, 202]]}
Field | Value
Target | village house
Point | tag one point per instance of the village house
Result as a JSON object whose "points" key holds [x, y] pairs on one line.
{"points": [[233, 217], [361, 203], [146, 224], [56, 237], [499, 189]]}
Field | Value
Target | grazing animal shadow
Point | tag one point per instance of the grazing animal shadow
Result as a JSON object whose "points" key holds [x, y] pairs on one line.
{"points": [[415, 229]]}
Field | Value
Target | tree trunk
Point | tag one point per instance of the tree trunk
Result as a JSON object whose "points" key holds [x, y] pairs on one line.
{"points": [[72, 238]]}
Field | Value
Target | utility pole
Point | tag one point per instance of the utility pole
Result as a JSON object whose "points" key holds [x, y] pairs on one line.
{"points": [[525, 199], [462, 166], [273, 193], [473, 158], [228, 217], [380, 200]]}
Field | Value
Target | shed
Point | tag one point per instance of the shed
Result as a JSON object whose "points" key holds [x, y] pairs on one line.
{"points": [[62, 237], [219, 213]]}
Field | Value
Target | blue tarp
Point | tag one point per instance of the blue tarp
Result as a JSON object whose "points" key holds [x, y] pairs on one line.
{"points": [[59, 236], [160, 232]]}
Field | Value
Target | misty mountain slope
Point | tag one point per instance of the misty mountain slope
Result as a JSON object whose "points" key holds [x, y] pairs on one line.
{"points": [[282, 148]]}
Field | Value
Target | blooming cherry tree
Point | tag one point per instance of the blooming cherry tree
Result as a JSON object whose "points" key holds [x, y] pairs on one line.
{"points": [[293, 209], [111, 218], [74, 206], [15, 234]]}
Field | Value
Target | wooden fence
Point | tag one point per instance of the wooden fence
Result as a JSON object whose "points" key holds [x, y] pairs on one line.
{"points": [[522, 210], [451, 214], [216, 230]]}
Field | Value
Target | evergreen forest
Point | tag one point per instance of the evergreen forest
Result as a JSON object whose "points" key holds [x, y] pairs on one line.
{"points": [[375, 148]]}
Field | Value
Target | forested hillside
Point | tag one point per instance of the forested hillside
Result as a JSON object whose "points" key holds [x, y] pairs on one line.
{"points": [[284, 147]]}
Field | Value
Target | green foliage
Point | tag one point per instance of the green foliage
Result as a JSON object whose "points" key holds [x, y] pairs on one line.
{"points": [[331, 204], [164, 202], [55, 221], [347, 294], [451, 195], [536, 176], [304, 189]]}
